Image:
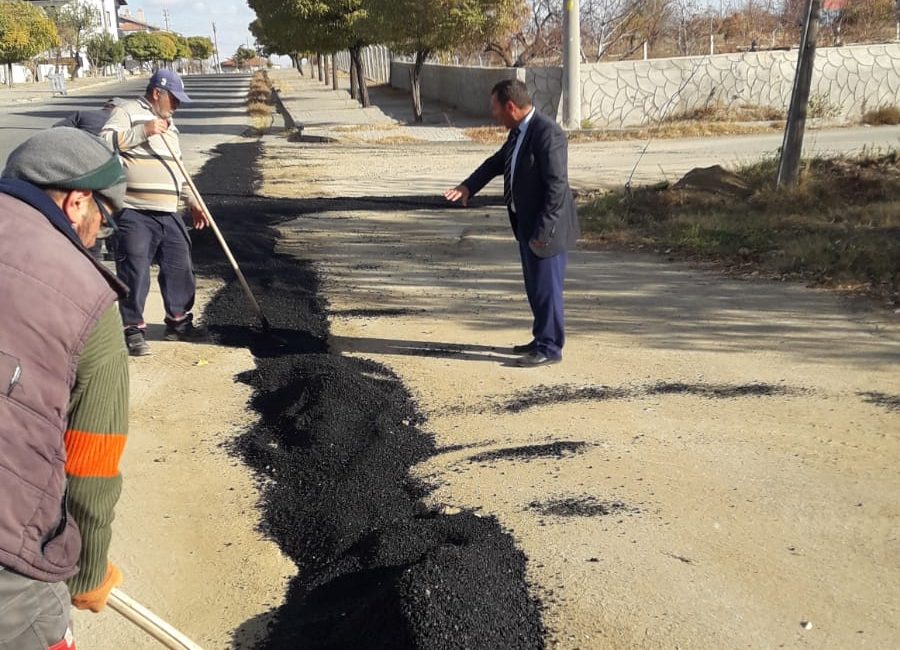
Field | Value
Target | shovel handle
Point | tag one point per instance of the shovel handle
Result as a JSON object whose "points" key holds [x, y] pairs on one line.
{"points": [[218, 233], [149, 622]]}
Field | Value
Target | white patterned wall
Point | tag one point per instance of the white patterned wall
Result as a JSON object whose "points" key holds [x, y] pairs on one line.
{"points": [[848, 80]]}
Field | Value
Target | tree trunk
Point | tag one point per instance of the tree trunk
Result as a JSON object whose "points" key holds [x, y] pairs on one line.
{"points": [[354, 80], [416, 85], [362, 89], [321, 60], [334, 76]]}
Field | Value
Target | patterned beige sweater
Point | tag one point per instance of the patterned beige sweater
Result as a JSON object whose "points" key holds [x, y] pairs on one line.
{"points": [[154, 180]]}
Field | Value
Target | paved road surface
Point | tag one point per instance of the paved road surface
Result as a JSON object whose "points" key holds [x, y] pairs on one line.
{"points": [[216, 115]]}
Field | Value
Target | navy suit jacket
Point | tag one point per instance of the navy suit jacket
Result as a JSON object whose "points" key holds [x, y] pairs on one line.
{"points": [[545, 209]]}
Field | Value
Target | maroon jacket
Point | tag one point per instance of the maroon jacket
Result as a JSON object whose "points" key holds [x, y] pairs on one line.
{"points": [[51, 296]]}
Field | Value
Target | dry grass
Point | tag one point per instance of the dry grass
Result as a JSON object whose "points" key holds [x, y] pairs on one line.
{"points": [[259, 108], [885, 115], [259, 100], [667, 130], [357, 128], [380, 139], [839, 228], [734, 114], [486, 134]]}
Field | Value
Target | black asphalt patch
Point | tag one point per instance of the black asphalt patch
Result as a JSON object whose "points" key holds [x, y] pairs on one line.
{"points": [[374, 313], [559, 449], [889, 402], [581, 506], [543, 395], [564, 393], [334, 444], [718, 391]]}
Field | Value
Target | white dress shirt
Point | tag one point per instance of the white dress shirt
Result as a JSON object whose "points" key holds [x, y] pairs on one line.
{"points": [[523, 127]]}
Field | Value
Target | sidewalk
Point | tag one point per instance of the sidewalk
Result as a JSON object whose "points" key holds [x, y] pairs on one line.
{"points": [[332, 114]]}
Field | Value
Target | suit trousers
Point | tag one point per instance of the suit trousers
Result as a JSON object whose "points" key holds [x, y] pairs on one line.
{"points": [[544, 277], [147, 238]]}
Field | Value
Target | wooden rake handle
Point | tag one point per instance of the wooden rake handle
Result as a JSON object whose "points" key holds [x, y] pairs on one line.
{"points": [[218, 233], [149, 622]]}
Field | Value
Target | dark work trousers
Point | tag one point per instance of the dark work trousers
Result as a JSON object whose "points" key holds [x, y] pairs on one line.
{"points": [[147, 238], [544, 278], [34, 615]]}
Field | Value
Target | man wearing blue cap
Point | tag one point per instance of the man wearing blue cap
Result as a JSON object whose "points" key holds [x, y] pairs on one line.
{"points": [[150, 230]]}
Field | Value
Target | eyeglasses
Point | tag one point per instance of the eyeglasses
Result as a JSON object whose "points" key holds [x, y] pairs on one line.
{"points": [[106, 217]]}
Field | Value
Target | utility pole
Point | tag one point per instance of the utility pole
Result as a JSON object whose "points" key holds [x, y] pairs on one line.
{"points": [[792, 146], [572, 66], [166, 18], [216, 46]]}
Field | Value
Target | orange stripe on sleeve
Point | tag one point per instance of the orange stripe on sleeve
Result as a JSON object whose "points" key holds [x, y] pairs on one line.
{"points": [[93, 454]]}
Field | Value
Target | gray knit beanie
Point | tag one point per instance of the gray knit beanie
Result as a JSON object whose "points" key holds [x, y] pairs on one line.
{"points": [[69, 159]]}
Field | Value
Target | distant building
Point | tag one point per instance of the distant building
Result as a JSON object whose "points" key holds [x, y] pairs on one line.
{"points": [[108, 10], [254, 64], [134, 24]]}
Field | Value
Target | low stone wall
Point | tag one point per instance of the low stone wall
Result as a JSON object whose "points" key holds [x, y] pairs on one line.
{"points": [[847, 81]]}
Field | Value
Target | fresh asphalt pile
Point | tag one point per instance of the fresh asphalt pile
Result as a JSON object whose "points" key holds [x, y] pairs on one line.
{"points": [[335, 440]]}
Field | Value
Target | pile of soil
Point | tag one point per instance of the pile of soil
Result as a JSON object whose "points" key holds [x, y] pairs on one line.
{"points": [[334, 444]]}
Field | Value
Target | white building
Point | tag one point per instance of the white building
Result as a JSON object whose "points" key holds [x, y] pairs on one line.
{"points": [[108, 13], [108, 10]]}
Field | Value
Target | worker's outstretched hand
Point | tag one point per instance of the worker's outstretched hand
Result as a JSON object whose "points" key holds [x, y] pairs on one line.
{"points": [[458, 193], [95, 600], [199, 217]]}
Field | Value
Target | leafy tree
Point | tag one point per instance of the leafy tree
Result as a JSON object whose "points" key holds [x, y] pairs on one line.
{"points": [[103, 50], [168, 46], [25, 31], [243, 55], [201, 47], [426, 27], [76, 21], [155, 46], [183, 47], [295, 26]]}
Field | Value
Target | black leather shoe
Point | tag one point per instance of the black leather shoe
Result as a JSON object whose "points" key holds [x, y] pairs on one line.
{"points": [[535, 359], [185, 330], [525, 349]]}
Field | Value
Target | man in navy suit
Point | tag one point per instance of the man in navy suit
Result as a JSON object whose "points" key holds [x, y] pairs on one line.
{"points": [[533, 162]]}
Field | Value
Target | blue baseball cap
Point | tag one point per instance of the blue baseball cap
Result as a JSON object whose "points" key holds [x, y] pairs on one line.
{"points": [[171, 83]]}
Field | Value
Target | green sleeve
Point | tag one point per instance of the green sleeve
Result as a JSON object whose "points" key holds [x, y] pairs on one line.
{"points": [[95, 438]]}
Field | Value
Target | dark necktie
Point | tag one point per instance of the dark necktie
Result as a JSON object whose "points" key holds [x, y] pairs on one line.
{"points": [[507, 165]]}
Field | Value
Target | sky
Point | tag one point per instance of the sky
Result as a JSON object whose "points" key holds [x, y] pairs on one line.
{"points": [[195, 18]]}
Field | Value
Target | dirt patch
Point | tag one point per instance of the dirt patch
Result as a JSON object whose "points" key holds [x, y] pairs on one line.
{"points": [[333, 448], [839, 228], [560, 449], [581, 506]]}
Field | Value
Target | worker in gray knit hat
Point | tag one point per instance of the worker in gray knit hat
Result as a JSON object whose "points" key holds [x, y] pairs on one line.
{"points": [[64, 378]]}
